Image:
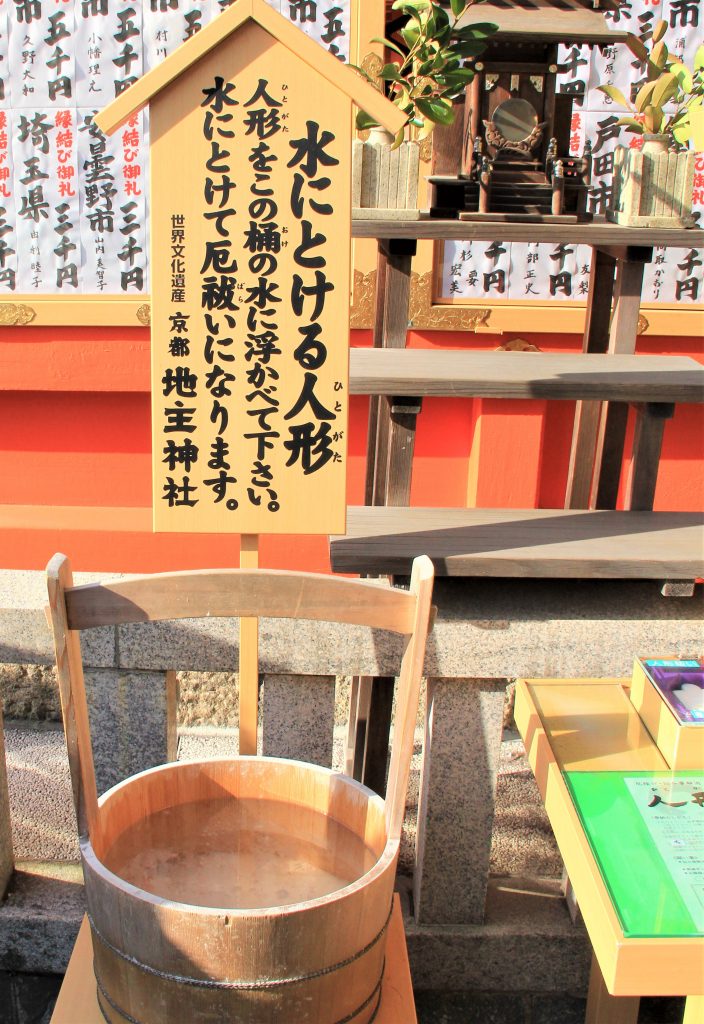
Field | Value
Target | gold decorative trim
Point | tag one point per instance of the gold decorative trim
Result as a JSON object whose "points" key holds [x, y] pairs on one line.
{"points": [[643, 324], [426, 149], [144, 314], [362, 312], [518, 345], [424, 315], [16, 314], [373, 64]]}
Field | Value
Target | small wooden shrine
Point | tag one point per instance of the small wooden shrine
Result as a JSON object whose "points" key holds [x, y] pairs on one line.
{"points": [[512, 160]]}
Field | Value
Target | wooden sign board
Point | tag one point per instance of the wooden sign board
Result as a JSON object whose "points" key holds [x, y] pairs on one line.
{"points": [[251, 133], [249, 319]]}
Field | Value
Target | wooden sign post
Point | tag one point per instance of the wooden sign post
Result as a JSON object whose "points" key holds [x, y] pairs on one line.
{"points": [[251, 136]]}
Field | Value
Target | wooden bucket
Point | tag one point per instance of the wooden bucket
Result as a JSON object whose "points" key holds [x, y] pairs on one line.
{"points": [[315, 962], [161, 954]]}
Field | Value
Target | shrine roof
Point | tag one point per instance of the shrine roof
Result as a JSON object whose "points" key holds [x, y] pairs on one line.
{"points": [[567, 21], [339, 75]]}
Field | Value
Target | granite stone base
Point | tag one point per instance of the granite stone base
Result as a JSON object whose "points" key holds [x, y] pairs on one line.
{"points": [[527, 1008], [27, 998], [130, 723], [490, 628], [527, 943], [464, 722], [41, 799], [527, 927], [6, 857], [298, 717], [40, 918]]}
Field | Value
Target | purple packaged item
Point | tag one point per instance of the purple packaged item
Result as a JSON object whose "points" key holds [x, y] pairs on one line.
{"points": [[681, 683]]}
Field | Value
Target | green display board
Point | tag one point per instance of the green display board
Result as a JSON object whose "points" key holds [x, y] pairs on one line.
{"points": [[646, 830]]}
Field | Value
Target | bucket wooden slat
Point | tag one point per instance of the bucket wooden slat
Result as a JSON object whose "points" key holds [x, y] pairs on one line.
{"points": [[74, 708], [239, 593]]}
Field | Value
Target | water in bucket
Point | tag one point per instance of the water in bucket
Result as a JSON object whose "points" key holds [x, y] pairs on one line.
{"points": [[239, 853]]}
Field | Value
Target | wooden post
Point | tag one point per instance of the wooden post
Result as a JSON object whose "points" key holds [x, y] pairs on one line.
{"points": [[586, 180], [609, 455], [74, 707], [249, 656], [378, 342], [473, 108], [355, 747], [390, 443], [596, 339], [448, 144], [602, 1007], [7, 860], [550, 156], [172, 693], [622, 340], [390, 329], [484, 186], [550, 87], [693, 1010], [403, 412], [647, 445], [558, 188]]}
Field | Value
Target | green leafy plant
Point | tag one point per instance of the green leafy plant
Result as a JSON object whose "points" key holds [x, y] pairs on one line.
{"points": [[668, 81], [435, 67]]}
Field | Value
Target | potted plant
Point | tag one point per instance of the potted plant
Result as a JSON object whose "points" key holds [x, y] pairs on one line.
{"points": [[431, 66], [652, 185]]}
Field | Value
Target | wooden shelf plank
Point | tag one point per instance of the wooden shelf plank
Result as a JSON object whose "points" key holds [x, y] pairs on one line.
{"points": [[523, 543], [464, 373], [560, 22], [599, 233]]}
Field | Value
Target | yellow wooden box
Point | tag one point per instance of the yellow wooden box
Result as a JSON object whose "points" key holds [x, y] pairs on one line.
{"points": [[589, 725], [681, 744]]}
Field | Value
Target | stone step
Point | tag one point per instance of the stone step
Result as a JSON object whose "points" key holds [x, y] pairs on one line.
{"points": [[41, 807], [39, 920], [527, 924]]}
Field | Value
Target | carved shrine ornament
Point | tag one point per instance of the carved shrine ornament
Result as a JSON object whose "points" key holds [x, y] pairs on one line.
{"points": [[499, 142], [144, 314], [15, 314]]}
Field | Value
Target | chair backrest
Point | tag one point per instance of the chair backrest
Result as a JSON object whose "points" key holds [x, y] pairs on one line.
{"points": [[236, 593]]}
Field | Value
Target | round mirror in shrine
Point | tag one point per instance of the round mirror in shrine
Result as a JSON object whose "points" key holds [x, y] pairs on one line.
{"points": [[515, 119]]}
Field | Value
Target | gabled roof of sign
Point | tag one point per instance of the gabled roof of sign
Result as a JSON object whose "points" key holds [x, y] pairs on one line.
{"points": [[330, 68], [567, 21]]}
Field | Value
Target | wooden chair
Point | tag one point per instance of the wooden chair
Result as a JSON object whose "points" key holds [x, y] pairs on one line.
{"points": [[234, 593]]}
